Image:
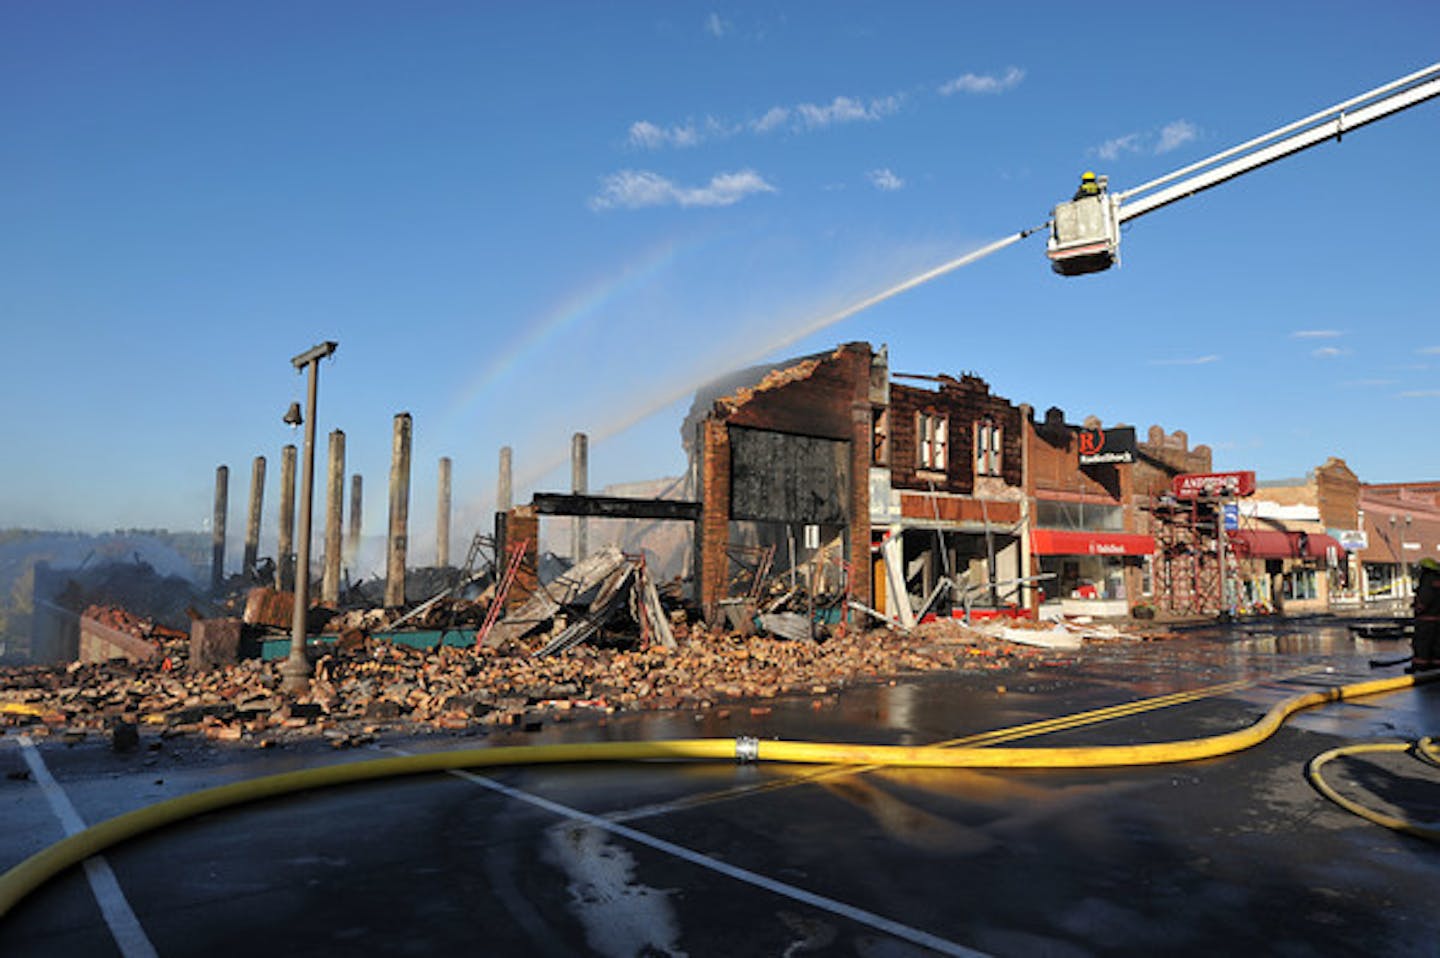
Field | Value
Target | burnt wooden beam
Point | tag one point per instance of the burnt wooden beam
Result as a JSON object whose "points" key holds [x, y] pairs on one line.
{"points": [[614, 507]]}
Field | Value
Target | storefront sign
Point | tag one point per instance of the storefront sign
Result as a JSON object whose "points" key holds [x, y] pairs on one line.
{"points": [[1059, 542], [1351, 540], [1189, 485], [1103, 447]]}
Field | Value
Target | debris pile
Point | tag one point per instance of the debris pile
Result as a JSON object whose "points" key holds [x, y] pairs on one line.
{"points": [[171, 644], [579, 603], [364, 688]]}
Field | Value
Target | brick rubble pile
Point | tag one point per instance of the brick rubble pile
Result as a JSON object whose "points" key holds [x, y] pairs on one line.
{"points": [[362, 687]]}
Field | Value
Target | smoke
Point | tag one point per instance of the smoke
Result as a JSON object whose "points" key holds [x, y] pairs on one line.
{"points": [[744, 354]]}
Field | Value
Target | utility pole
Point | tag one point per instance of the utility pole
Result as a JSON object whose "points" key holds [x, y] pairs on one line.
{"points": [[295, 673]]}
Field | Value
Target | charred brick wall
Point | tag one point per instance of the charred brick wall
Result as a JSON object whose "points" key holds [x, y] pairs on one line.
{"points": [[714, 530], [964, 403], [812, 398], [825, 397], [521, 524]]}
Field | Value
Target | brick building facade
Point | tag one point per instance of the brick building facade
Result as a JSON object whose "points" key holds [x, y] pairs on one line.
{"points": [[913, 480]]}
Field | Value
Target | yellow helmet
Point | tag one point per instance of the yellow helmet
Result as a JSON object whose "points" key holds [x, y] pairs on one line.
{"points": [[1087, 176]]}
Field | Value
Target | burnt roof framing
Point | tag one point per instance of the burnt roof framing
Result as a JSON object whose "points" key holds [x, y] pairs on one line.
{"points": [[614, 507]]}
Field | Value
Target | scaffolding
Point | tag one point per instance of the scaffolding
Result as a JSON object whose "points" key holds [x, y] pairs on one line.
{"points": [[1189, 578]]}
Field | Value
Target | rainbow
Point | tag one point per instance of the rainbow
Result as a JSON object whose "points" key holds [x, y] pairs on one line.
{"points": [[574, 310]]}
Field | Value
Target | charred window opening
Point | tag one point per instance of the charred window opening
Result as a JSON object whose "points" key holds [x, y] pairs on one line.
{"points": [[989, 447], [932, 430], [880, 437]]}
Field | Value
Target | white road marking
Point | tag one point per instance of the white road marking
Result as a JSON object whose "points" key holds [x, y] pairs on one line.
{"points": [[858, 915], [124, 926]]}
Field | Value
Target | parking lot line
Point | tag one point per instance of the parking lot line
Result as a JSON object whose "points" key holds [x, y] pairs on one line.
{"points": [[119, 917], [841, 909]]}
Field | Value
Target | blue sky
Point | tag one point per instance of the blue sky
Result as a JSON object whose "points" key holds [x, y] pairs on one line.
{"points": [[525, 220]]}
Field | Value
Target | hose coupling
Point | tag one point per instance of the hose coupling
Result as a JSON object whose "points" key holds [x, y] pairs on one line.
{"points": [[747, 749]]}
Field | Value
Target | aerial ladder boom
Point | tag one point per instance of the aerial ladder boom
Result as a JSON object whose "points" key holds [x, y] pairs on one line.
{"points": [[1085, 232]]}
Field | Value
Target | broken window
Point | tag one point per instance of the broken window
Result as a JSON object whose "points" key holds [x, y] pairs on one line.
{"points": [[987, 448], [932, 431], [880, 436]]}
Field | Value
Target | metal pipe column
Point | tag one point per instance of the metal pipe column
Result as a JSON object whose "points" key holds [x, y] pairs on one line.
{"points": [[217, 527], [285, 561], [579, 485], [334, 516], [252, 526], [399, 512], [442, 516]]}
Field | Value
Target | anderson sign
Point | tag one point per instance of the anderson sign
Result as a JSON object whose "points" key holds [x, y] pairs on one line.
{"points": [[1106, 446], [1189, 485]]}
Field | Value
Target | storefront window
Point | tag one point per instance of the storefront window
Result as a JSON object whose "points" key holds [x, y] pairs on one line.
{"points": [[1083, 577], [1079, 516], [1379, 579], [1300, 584]]}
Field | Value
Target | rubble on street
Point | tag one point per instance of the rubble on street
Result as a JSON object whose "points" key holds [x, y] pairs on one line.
{"points": [[362, 688]]}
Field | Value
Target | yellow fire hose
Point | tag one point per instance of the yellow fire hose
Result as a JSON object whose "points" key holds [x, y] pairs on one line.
{"points": [[34, 871], [1424, 750]]}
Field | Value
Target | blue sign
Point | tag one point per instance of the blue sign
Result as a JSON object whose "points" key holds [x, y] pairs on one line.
{"points": [[1232, 516]]}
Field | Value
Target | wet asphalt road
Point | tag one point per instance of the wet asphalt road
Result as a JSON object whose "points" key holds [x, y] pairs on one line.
{"points": [[1235, 855]]}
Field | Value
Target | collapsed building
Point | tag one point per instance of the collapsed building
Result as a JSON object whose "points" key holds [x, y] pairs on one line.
{"points": [[933, 493], [829, 487]]}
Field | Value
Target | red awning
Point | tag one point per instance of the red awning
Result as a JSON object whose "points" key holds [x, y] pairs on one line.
{"points": [[1279, 544], [1054, 542]]}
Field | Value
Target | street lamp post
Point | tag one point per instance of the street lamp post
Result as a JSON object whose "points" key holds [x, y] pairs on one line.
{"points": [[295, 673]]}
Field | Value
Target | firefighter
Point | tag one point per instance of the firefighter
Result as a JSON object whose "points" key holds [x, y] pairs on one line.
{"points": [[1089, 186], [1426, 641]]}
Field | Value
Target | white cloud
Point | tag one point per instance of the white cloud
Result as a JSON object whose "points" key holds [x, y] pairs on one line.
{"points": [[1328, 352], [1171, 136], [1196, 361], [843, 109], [1111, 149], [637, 189], [647, 135], [1315, 334], [774, 117], [1175, 135], [802, 117], [885, 179], [715, 26], [983, 83], [1429, 351], [1420, 394]]}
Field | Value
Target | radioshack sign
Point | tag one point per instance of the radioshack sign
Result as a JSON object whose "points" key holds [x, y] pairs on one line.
{"points": [[1190, 485], [1103, 447]]}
